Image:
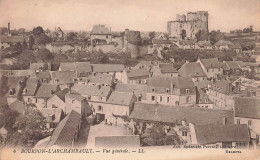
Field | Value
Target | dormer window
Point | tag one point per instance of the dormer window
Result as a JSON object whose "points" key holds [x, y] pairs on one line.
{"points": [[187, 91], [11, 91]]}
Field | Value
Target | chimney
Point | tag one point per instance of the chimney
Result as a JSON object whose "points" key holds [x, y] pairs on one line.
{"points": [[9, 32]]}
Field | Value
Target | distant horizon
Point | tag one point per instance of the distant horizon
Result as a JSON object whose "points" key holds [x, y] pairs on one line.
{"points": [[142, 15]]}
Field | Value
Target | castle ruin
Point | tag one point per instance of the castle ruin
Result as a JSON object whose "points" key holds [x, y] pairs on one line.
{"points": [[186, 28]]}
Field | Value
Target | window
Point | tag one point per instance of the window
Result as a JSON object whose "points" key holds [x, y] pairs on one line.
{"points": [[238, 121], [160, 98], [207, 70], [140, 81], [72, 101], [153, 98], [168, 90], [106, 37], [188, 99], [177, 103], [184, 133], [100, 108], [168, 99], [249, 122], [206, 106], [187, 91], [36, 100], [153, 89], [219, 69]]}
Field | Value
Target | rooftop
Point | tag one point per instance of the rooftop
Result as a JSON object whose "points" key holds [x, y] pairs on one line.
{"points": [[31, 87], [120, 98], [247, 107], [211, 63], [63, 77], [167, 68], [100, 29], [138, 90], [136, 73], [104, 68], [191, 70], [209, 134], [175, 114], [46, 90], [102, 91]]}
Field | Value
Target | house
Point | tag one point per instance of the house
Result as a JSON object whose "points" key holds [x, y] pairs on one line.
{"points": [[194, 71], [44, 77], [102, 79], [235, 47], [221, 93], [40, 66], [52, 117], [64, 79], [248, 87], [18, 106], [14, 88], [162, 44], [145, 64], [247, 111], [116, 69], [8, 41], [202, 98], [30, 89], [17, 73], [223, 45], [45, 92], [140, 91], [186, 44], [247, 66], [82, 69], [171, 91], [212, 67], [100, 35], [77, 103], [136, 76], [164, 69], [65, 134], [118, 104], [234, 68], [176, 114], [204, 45], [223, 136], [57, 100], [92, 93]]}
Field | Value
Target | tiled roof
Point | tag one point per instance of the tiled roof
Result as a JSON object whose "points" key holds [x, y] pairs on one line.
{"points": [[179, 82], [44, 75], [13, 39], [247, 107], [232, 64], [61, 94], [211, 63], [31, 87], [100, 29], [67, 66], [75, 96], [222, 43], [175, 114], [138, 90], [120, 98], [64, 133], [30, 73], [18, 106], [63, 77], [245, 64], [210, 134], [104, 68], [88, 90], [161, 41], [83, 67], [118, 141], [191, 70], [222, 86], [167, 68], [14, 81], [143, 64], [137, 73], [45, 90], [101, 79], [225, 66], [36, 66]]}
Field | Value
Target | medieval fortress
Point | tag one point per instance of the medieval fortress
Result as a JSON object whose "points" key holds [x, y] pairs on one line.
{"points": [[187, 27]]}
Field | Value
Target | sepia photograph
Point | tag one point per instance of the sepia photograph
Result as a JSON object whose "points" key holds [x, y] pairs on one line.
{"points": [[129, 79]]}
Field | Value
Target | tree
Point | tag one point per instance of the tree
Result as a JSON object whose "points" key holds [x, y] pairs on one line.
{"points": [[151, 35], [7, 116], [37, 31], [44, 55], [215, 36], [71, 36], [21, 31], [43, 39], [201, 35], [31, 42], [30, 129]]}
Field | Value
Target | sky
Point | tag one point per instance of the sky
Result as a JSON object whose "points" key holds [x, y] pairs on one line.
{"points": [[142, 15]]}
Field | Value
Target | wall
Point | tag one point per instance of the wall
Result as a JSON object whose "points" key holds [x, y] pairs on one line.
{"points": [[255, 123], [56, 101]]}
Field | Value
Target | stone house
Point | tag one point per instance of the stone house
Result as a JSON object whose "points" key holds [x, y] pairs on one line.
{"points": [[211, 67], [82, 69], [171, 91], [57, 100], [29, 91], [136, 76], [100, 35], [164, 69], [77, 103], [194, 71], [116, 69], [44, 77], [65, 79]]}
